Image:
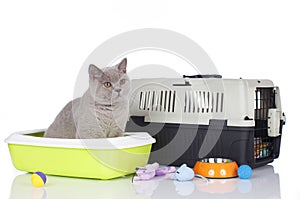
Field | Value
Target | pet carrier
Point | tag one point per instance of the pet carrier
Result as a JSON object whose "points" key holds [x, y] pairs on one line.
{"points": [[197, 117]]}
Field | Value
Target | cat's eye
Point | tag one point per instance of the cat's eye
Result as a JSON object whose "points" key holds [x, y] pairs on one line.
{"points": [[122, 81], [107, 84]]}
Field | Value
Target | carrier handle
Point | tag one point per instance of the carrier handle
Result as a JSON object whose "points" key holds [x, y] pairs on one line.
{"points": [[187, 77], [203, 76]]}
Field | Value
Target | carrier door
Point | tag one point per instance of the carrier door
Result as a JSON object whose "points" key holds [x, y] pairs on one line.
{"points": [[275, 116], [268, 123]]}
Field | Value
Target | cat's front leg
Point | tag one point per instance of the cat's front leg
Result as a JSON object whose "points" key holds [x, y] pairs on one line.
{"points": [[114, 132]]}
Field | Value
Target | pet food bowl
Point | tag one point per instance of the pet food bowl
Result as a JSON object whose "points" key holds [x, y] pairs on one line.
{"points": [[216, 168], [103, 158]]}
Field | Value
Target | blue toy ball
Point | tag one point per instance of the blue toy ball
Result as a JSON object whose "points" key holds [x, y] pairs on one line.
{"points": [[244, 172]]}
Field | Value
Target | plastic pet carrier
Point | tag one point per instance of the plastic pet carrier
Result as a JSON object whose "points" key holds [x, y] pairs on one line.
{"points": [[197, 117]]}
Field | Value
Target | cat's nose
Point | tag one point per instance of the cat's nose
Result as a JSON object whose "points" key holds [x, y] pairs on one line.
{"points": [[118, 90]]}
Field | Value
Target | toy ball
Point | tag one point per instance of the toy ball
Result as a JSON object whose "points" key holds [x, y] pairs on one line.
{"points": [[244, 172], [38, 179]]}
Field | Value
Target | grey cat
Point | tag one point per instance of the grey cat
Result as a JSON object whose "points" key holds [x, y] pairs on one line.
{"points": [[103, 109]]}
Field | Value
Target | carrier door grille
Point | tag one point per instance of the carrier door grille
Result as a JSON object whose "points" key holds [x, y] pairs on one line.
{"points": [[263, 144], [162, 101], [265, 99], [203, 102]]}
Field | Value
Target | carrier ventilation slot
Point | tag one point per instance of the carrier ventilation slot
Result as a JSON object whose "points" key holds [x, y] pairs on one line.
{"points": [[203, 102], [162, 101]]}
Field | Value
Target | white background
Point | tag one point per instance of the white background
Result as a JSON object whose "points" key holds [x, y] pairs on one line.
{"points": [[43, 46]]}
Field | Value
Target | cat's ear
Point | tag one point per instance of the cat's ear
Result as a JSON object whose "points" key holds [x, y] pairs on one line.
{"points": [[122, 65], [94, 72]]}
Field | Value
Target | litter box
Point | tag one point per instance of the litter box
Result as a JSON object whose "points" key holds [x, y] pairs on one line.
{"points": [[103, 158]]}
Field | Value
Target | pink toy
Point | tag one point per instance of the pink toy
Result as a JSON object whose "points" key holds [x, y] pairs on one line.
{"points": [[151, 170]]}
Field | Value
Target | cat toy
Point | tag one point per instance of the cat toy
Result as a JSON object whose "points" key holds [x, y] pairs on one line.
{"points": [[151, 170], [244, 172], [38, 179], [184, 173]]}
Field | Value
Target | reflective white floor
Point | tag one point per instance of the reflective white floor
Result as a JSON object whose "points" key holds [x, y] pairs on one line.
{"points": [[264, 183]]}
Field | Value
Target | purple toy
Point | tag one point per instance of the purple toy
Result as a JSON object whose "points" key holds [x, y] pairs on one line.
{"points": [[151, 170]]}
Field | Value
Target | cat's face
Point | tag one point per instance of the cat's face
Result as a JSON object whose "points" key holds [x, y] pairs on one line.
{"points": [[109, 85]]}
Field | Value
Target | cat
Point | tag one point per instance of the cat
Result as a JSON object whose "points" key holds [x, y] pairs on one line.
{"points": [[101, 112]]}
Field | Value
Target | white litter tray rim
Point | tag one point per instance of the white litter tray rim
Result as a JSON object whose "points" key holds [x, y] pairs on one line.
{"points": [[129, 140]]}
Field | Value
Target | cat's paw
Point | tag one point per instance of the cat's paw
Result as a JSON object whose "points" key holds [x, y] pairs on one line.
{"points": [[115, 133]]}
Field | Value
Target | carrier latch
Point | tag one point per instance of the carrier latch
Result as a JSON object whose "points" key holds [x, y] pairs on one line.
{"points": [[274, 117]]}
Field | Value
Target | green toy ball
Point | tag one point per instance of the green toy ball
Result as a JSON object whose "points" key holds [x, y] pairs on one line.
{"points": [[38, 179], [244, 171]]}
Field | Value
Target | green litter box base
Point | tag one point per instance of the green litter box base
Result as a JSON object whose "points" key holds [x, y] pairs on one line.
{"points": [[104, 158], [83, 163]]}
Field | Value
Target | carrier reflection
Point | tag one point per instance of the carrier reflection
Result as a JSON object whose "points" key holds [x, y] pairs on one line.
{"points": [[264, 183]]}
